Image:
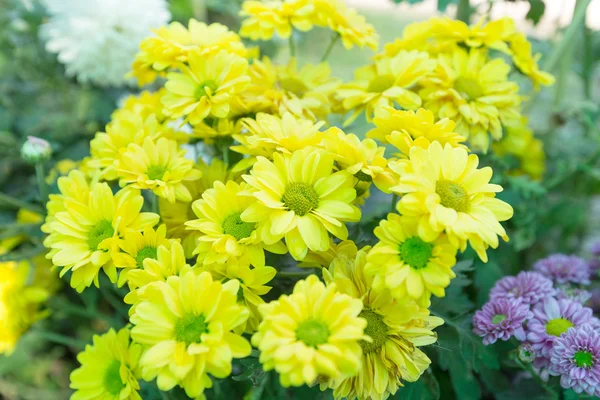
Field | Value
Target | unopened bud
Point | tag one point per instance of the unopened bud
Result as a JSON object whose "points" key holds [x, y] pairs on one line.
{"points": [[526, 353], [35, 150]]}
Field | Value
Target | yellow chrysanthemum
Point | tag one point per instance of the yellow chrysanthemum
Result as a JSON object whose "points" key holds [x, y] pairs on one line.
{"points": [[267, 134], [173, 44], [301, 199], [312, 333], [205, 87], [405, 129], [526, 62], [160, 166], [253, 282], [84, 235], [345, 250], [186, 335], [387, 82], [216, 130], [61, 168], [408, 265], [351, 27], [362, 159], [224, 234], [143, 104], [108, 368], [474, 92], [446, 190], [397, 329], [519, 142], [265, 18]]}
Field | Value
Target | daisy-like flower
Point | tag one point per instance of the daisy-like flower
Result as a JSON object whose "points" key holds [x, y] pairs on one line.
{"points": [[408, 265], [388, 82], [143, 104], [301, 199], [527, 287], [186, 336], [573, 293], [253, 284], [108, 368], [205, 87], [474, 92], [564, 269], [262, 19], [575, 357], [344, 250], [104, 59], [446, 190], [527, 62], [160, 166], [224, 234], [83, 236], [501, 319], [312, 333], [351, 27], [267, 134], [552, 318]]}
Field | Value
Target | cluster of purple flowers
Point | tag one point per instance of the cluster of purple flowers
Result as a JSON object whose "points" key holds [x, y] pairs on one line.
{"points": [[544, 310]]}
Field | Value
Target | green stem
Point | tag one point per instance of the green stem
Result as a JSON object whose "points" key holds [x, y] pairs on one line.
{"points": [[292, 45], [78, 311], [588, 61], [41, 181], [199, 10], [225, 151], [535, 376], [22, 254], [463, 11], [295, 274], [330, 47], [153, 200], [394, 202], [16, 203], [61, 339], [114, 301]]}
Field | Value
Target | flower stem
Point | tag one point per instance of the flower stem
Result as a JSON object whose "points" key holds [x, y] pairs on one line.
{"points": [[292, 44], [463, 11], [41, 181], [394, 202], [332, 43], [61, 339], [16, 203], [225, 151], [295, 274], [535, 376]]}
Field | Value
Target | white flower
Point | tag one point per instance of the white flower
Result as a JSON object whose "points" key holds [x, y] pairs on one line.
{"points": [[97, 39]]}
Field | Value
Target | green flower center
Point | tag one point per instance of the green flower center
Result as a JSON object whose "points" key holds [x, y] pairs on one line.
{"points": [[363, 177], [452, 195], [416, 252], [156, 172], [558, 326], [234, 226], [300, 198], [102, 230], [190, 328], [112, 378], [469, 88], [201, 89], [583, 359], [312, 332], [146, 252], [381, 83], [376, 329], [498, 318]]}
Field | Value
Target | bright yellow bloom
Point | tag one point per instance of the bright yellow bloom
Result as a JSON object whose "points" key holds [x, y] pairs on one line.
{"points": [[205, 87], [253, 282], [351, 27], [301, 199], [408, 265], [345, 250], [267, 134], [160, 166], [84, 235], [446, 190], [474, 92], [144, 104], [211, 130], [396, 328], [526, 62], [389, 81], [265, 18], [519, 142], [405, 129], [224, 234], [61, 168], [312, 333], [108, 368], [185, 326]]}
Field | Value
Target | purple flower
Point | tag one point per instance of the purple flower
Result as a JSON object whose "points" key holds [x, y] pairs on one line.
{"points": [[564, 269], [501, 319], [528, 287], [575, 357], [573, 293], [595, 248], [595, 300], [552, 318]]}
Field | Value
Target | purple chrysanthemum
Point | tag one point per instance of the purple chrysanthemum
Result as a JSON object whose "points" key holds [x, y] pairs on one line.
{"points": [[595, 248], [573, 293], [528, 287], [575, 357], [595, 300], [564, 269], [501, 319], [552, 318]]}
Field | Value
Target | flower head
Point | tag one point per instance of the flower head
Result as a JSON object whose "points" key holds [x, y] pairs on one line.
{"points": [[563, 269], [527, 287], [36, 150], [501, 319]]}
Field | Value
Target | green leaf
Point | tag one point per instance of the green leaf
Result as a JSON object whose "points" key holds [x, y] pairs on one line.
{"points": [[463, 381], [456, 302], [536, 10]]}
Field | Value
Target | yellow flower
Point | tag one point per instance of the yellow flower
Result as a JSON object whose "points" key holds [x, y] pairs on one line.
{"points": [[475, 93], [408, 265], [405, 129], [211, 130], [205, 87], [351, 27], [108, 368], [160, 166], [61, 168], [265, 18], [224, 234], [267, 134], [253, 282], [84, 235], [387, 82], [446, 190], [74, 186], [526, 62], [144, 104], [301, 199], [312, 333], [518, 141], [345, 250], [187, 336], [397, 329]]}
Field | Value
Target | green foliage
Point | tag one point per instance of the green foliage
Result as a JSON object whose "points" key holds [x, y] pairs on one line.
{"points": [[536, 10]]}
